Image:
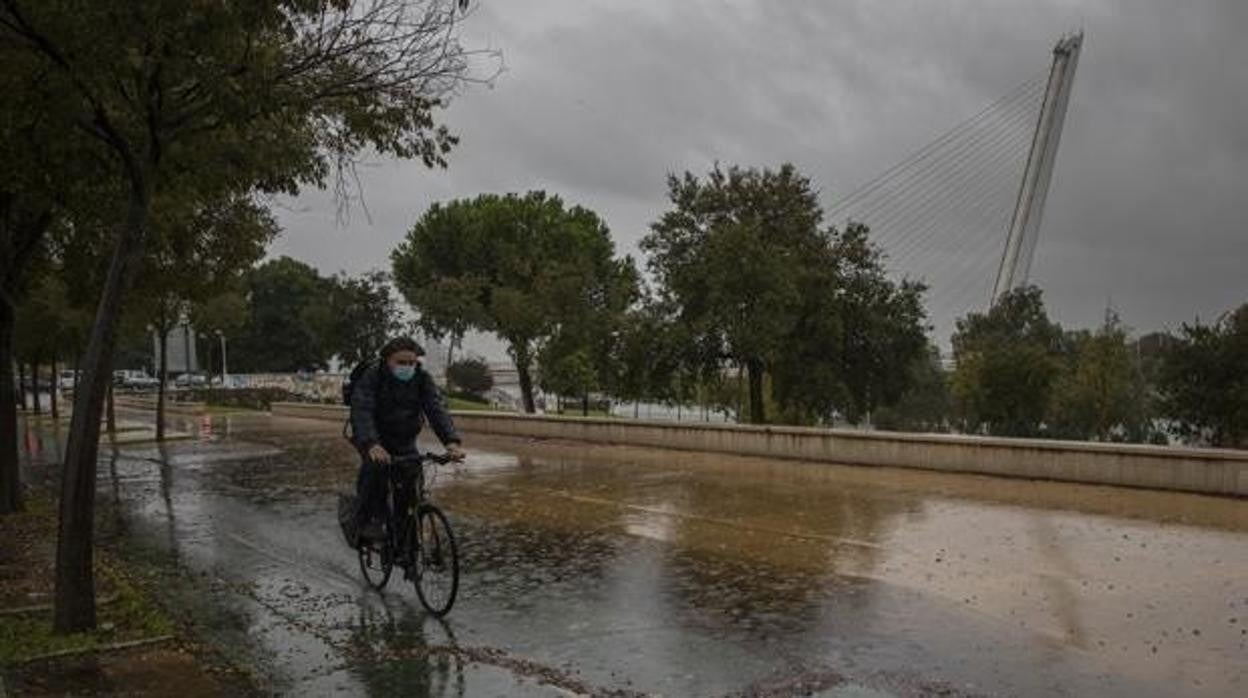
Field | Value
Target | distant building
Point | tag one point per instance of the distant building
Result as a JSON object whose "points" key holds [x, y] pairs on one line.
{"points": [[506, 390], [505, 375], [181, 355], [434, 360]]}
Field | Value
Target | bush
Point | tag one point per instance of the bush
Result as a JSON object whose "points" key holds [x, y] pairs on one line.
{"points": [[470, 376], [468, 397], [246, 398]]}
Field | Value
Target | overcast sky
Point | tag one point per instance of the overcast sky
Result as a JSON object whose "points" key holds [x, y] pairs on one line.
{"points": [[600, 99]]}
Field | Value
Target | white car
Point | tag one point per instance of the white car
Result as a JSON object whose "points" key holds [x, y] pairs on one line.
{"points": [[138, 380], [190, 380], [65, 379]]}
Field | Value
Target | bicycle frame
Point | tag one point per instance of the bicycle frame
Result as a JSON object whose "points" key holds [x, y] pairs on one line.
{"points": [[398, 483], [407, 507]]}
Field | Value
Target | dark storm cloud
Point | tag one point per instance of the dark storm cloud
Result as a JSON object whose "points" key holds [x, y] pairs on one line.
{"points": [[601, 99]]}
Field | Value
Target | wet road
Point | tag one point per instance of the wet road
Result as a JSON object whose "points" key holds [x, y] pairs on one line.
{"points": [[606, 570]]}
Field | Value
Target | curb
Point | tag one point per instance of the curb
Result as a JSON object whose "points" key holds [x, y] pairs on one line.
{"points": [[142, 642], [179, 436], [39, 607]]}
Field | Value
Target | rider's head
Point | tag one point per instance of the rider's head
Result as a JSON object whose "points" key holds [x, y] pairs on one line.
{"points": [[401, 355]]}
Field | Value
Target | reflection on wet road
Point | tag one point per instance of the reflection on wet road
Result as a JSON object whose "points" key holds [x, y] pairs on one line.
{"points": [[618, 571]]}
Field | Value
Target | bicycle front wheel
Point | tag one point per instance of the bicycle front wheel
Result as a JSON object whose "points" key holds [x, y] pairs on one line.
{"points": [[435, 560]]}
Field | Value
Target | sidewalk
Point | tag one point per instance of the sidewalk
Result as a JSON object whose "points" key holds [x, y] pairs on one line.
{"points": [[136, 432], [137, 649], [128, 431]]}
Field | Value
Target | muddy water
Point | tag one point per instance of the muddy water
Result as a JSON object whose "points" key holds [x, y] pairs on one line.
{"points": [[593, 570]]}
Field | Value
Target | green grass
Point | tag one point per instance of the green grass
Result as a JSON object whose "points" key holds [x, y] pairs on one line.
{"points": [[130, 616], [457, 403], [576, 412], [29, 541], [228, 409]]}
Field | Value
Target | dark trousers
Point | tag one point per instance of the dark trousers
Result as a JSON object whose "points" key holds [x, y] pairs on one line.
{"points": [[370, 490]]}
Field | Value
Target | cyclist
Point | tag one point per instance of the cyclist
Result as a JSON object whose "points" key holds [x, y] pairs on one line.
{"points": [[388, 407]]}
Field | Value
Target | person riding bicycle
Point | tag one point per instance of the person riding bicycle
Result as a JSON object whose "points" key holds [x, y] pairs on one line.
{"points": [[388, 407]]}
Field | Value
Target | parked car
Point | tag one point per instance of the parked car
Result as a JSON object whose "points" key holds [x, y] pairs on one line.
{"points": [[134, 380], [190, 380], [65, 379]]}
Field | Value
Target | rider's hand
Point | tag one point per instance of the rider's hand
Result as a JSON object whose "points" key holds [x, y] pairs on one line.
{"points": [[455, 452], [378, 454]]}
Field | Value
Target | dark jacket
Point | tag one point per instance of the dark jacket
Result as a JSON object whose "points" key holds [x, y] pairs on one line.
{"points": [[387, 411]]}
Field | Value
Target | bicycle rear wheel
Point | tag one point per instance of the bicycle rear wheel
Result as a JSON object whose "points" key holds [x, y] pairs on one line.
{"points": [[376, 563], [435, 560]]}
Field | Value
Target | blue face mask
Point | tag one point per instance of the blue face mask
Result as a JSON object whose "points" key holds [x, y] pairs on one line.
{"points": [[403, 373]]}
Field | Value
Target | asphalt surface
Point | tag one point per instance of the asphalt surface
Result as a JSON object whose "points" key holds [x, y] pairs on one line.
{"points": [[592, 570]]}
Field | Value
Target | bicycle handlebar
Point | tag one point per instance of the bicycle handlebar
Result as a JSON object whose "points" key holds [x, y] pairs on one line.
{"points": [[438, 458]]}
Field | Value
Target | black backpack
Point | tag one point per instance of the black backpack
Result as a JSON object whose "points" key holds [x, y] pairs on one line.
{"points": [[354, 379], [348, 385]]}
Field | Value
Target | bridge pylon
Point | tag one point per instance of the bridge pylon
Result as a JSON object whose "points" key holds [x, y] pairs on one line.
{"points": [[1020, 244]]}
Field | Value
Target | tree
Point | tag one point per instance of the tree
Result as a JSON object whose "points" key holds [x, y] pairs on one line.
{"points": [[1203, 382], [651, 351], [760, 285], [33, 130], [579, 357], [925, 405], [808, 376], [218, 97], [40, 329], [22, 230], [49, 328], [522, 267], [471, 376], [568, 372], [1102, 393], [858, 335], [222, 316], [730, 257], [292, 324], [1006, 362], [365, 315], [882, 325], [195, 253]]}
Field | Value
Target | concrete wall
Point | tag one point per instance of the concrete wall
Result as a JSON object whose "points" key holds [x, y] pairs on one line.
{"points": [[144, 402], [1208, 471]]}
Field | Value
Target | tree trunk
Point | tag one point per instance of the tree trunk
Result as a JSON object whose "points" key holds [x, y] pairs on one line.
{"points": [[520, 354], [211, 367], [755, 369], [21, 375], [53, 388], [111, 418], [10, 475], [34, 384], [636, 409], [585, 405], [75, 579], [164, 378], [186, 349], [450, 354], [741, 393]]}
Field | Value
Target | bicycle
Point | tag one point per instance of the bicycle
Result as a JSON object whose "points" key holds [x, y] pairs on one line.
{"points": [[418, 537]]}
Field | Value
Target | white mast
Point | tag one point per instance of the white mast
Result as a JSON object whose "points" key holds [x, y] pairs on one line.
{"points": [[1020, 245]]}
